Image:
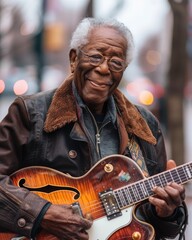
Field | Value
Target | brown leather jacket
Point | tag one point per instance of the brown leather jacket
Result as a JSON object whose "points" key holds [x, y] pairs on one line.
{"points": [[44, 129]]}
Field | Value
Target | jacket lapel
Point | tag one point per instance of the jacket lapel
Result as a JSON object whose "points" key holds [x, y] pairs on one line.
{"points": [[63, 110]]}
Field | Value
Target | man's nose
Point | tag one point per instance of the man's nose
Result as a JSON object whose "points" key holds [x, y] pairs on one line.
{"points": [[104, 67]]}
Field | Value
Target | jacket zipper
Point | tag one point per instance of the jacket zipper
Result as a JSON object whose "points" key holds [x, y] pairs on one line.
{"points": [[97, 135]]}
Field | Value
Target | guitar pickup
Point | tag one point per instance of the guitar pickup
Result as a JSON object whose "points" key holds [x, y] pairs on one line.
{"points": [[110, 204]]}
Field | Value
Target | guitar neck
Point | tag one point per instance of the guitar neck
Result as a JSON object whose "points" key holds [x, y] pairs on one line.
{"points": [[141, 190]]}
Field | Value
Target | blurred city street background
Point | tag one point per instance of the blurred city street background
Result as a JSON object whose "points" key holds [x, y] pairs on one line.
{"points": [[34, 45]]}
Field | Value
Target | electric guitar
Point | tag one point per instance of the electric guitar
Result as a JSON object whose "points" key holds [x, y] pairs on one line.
{"points": [[110, 192]]}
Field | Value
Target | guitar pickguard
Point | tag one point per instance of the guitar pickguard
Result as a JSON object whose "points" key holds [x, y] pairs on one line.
{"points": [[109, 226]]}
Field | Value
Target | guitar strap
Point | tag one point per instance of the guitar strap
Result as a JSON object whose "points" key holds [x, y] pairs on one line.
{"points": [[137, 156]]}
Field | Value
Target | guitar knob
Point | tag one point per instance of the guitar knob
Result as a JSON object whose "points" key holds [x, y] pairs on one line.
{"points": [[136, 236], [108, 168]]}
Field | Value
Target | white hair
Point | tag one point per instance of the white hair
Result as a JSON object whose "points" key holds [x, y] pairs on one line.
{"points": [[80, 35]]}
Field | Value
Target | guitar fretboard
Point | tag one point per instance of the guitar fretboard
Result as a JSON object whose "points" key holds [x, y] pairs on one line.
{"points": [[141, 190]]}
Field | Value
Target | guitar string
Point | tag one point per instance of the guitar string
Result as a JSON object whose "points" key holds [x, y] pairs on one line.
{"points": [[97, 206]]}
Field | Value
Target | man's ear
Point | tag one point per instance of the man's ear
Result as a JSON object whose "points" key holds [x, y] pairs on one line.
{"points": [[73, 58]]}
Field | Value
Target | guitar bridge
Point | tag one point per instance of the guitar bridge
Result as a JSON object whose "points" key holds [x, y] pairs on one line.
{"points": [[110, 204]]}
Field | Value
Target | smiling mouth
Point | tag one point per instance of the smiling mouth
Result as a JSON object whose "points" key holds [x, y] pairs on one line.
{"points": [[100, 84]]}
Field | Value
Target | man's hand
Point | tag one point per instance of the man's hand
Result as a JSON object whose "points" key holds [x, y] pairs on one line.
{"points": [[167, 199], [60, 221]]}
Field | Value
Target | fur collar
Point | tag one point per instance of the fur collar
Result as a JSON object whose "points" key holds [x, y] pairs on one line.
{"points": [[63, 110]]}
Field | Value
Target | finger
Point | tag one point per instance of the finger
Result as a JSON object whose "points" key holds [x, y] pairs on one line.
{"points": [[168, 194], [171, 164], [161, 193], [86, 224], [161, 206], [176, 193], [82, 234], [157, 202], [176, 187], [172, 195], [172, 190], [179, 187], [164, 200]]}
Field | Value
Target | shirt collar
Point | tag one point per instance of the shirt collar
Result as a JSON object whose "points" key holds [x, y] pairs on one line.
{"points": [[111, 113]]}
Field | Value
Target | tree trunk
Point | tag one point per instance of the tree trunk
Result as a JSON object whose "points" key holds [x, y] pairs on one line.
{"points": [[176, 80]]}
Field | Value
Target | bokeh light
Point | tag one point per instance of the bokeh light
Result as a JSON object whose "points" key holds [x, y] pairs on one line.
{"points": [[153, 57], [2, 86], [20, 87], [146, 97]]}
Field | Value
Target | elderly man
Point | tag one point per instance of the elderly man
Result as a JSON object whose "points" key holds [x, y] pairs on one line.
{"points": [[70, 130]]}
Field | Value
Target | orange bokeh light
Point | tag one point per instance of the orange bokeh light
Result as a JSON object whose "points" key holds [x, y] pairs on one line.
{"points": [[146, 97]]}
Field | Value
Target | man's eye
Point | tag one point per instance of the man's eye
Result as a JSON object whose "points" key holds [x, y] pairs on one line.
{"points": [[95, 57], [116, 62]]}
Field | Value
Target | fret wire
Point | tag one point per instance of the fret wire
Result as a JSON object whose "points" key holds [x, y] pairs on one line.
{"points": [[185, 172], [151, 182], [140, 191], [191, 167], [136, 192], [125, 196], [163, 179], [148, 187], [174, 175], [160, 182], [182, 174], [190, 172], [128, 195], [177, 177], [169, 177], [118, 198], [144, 188], [179, 172], [132, 193], [156, 180], [123, 202]]}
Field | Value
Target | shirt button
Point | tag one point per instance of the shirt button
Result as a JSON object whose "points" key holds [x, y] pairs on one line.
{"points": [[72, 154], [21, 222]]}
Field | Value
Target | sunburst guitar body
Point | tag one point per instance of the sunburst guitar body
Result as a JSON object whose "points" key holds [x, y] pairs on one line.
{"points": [[109, 192]]}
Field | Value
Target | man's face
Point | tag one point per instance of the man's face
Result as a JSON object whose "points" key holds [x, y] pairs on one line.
{"points": [[96, 83]]}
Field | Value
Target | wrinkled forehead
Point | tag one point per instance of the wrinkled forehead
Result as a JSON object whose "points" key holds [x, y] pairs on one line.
{"points": [[106, 32], [104, 35]]}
